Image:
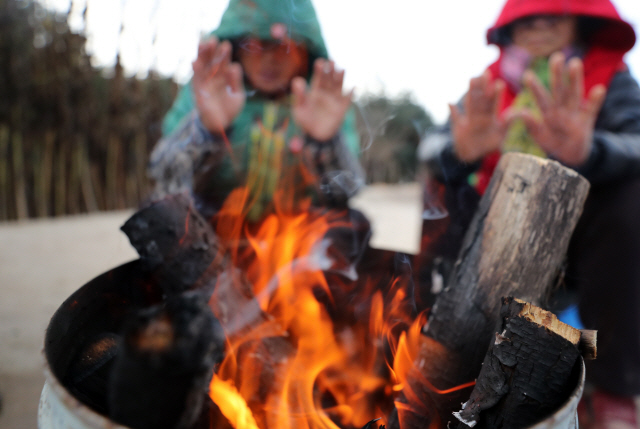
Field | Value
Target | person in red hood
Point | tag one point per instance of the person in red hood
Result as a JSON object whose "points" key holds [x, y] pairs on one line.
{"points": [[561, 90]]}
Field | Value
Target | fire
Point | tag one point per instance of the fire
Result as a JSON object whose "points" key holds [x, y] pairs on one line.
{"points": [[233, 406], [329, 362]]}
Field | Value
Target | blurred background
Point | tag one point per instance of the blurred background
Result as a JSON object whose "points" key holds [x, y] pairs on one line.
{"points": [[76, 128], [84, 85]]}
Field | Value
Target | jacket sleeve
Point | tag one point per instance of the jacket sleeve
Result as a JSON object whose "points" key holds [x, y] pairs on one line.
{"points": [[616, 142], [192, 151], [179, 155]]}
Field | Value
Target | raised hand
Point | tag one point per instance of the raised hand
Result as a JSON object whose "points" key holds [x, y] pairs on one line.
{"points": [[478, 129], [565, 129], [320, 109], [217, 85]]}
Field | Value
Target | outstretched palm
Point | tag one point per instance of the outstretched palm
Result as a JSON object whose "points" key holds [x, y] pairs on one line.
{"points": [[320, 109], [565, 130], [477, 129], [217, 85]]}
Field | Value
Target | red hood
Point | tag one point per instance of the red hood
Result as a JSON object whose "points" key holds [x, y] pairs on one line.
{"points": [[616, 34]]}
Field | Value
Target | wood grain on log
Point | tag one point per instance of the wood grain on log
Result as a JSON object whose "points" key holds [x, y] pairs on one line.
{"points": [[514, 246]]}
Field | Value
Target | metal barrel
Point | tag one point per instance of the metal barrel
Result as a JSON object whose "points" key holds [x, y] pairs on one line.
{"points": [[87, 309]]}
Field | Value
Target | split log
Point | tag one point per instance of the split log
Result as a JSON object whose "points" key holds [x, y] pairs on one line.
{"points": [[177, 245], [514, 247], [528, 372], [160, 379]]}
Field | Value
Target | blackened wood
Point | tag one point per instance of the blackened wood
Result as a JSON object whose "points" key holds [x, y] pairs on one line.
{"points": [[176, 244], [528, 372], [514, 247], [166, 362]]}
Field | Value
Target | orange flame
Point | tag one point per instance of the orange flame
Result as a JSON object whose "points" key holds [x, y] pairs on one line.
{"points": [[328, 363]]}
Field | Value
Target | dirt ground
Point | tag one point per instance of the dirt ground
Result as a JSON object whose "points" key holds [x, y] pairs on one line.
{"points": [[43, 261]]}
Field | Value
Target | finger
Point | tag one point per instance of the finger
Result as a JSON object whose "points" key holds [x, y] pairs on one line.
{"points": [[477, 87], [206, 51], [338, 80], [595, 100], [222, 56], [510, 115], [327, 75], [207, 45], [476, 98], [318, 73], [298, 90], [234, 77], [576, 83], [556, 71], [485, 83], [540, 93]]}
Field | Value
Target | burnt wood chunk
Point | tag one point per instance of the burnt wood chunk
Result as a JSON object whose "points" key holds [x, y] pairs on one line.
{"points": [[528, 371], [176, 244], [161, 376], [514, 246]]}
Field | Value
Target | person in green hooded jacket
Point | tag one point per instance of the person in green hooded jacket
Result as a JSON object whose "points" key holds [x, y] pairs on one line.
{"points": [[264, 111]]}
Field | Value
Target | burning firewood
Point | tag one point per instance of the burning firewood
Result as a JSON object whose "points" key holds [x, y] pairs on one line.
{"points": [[514, 247], [161, 377], [528, 372], [176, 244]]}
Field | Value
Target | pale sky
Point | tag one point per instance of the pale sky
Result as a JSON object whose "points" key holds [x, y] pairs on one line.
{"points": [[426, 47]]}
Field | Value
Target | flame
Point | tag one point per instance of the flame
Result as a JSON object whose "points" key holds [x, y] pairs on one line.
{"points": [[232, 405], [309, 353]]}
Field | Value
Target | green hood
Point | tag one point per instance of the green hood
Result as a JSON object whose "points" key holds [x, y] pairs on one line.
{"points": [[255, 17], [264, 127]]}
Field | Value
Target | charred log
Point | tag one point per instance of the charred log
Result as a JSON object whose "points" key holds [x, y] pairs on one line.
{"points": [[162, 375], [528, 371], [176, 244], [513, 247]]}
